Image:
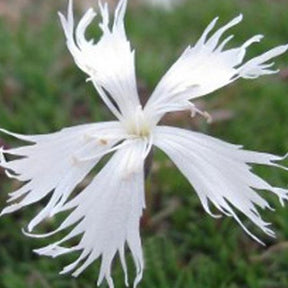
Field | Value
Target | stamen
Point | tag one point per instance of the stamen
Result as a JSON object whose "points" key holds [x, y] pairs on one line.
{"points": [[194, 110]]}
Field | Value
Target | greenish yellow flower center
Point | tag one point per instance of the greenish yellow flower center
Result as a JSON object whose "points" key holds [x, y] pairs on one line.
{"points": [[138, 126]]}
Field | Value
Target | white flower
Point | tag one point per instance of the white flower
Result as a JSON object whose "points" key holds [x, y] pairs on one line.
{"points": [[107, 212]]}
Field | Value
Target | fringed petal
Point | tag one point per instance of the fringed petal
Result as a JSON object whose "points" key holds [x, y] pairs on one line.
{"points": [[110, 62], [205, 68], [220, 173], [107, 213], [51, 164], [258, 66]]}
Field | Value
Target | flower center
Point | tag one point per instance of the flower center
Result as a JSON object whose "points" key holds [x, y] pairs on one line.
{"points": [[138, 126], [141, 131]]}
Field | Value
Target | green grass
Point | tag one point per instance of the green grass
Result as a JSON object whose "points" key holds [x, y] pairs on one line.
{"points": [[44, 92]]}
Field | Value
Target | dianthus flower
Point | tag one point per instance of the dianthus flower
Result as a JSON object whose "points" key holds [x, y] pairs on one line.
{"points": [[107, 212]]}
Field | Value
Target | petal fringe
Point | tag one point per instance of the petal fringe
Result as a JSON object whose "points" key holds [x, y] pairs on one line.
{"points": [[107, 213], [220, 173], [205, 68], [50, 165], [109, 63]]}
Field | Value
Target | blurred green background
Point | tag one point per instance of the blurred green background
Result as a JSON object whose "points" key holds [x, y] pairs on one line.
{"points": [[41, 90]]}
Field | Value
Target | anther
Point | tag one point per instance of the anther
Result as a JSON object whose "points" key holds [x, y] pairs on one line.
{"points": [[194, 110], [208, 117], [103, 142]]}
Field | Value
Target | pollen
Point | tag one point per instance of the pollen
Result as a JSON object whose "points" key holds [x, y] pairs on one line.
{"points": [[103, 142]]}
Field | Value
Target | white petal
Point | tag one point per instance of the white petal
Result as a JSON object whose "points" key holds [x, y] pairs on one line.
{"points": [[258, 66], [107, 212], [205, 68], [220, 173], [110, 62], [50, 165]]}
